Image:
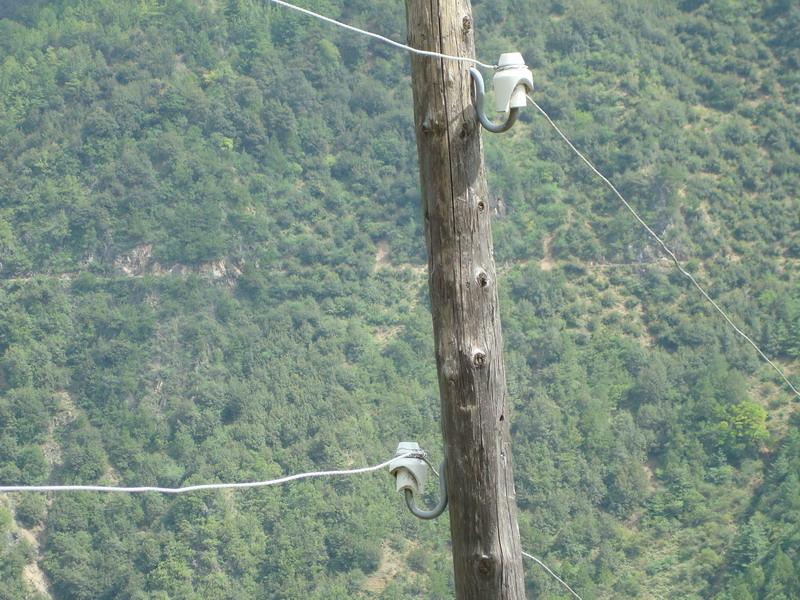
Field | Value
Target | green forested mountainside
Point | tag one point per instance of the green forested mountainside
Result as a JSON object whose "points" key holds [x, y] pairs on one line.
{"points": [[212, 268]]}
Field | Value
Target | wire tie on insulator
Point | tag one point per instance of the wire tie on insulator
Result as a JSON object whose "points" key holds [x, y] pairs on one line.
{"points": [[410, 469]]}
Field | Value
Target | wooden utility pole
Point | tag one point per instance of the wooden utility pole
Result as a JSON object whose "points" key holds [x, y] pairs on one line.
{"points": [[487, 556]]}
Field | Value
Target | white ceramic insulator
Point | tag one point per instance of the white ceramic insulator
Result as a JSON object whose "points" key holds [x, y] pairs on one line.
{"points": [[512, 81], [405, 481], [411, 473]]}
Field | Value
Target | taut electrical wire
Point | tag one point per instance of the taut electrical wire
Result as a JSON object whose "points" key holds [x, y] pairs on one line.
{"points": [[381, 38], [546, 568], [666, 249], [194, 488]]}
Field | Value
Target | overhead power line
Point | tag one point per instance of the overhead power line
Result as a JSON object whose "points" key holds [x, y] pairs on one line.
{"points": [[641, 221], [228, 486], [546, 568], [194, 488], [381, 38], [666, 249]]}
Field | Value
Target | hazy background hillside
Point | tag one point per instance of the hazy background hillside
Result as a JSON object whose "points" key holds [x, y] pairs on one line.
{"points": [[212, 269]]}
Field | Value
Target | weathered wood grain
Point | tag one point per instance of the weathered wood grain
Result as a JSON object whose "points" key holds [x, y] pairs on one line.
{"points": [[468, 339]]}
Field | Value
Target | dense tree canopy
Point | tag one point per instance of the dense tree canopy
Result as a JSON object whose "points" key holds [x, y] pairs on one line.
{"points": [[212, 268]]}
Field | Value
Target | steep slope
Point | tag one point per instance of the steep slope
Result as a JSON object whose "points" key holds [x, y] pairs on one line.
{"points": [[212, 269]]}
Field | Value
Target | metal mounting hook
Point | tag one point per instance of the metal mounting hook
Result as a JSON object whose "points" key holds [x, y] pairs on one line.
{"points": [[440, 506], [410, 468], [480, 98], [512, 81]]}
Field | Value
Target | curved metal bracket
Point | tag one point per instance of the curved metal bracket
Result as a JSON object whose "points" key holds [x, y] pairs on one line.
{"points": [[440, 506], [480, 98]]}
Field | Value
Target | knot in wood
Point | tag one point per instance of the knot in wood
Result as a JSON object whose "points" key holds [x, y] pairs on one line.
{"points": [[468, 128], [478, 358], [431, 126], [485, 566], [466, 24], [450, 372], [482, 278]]}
